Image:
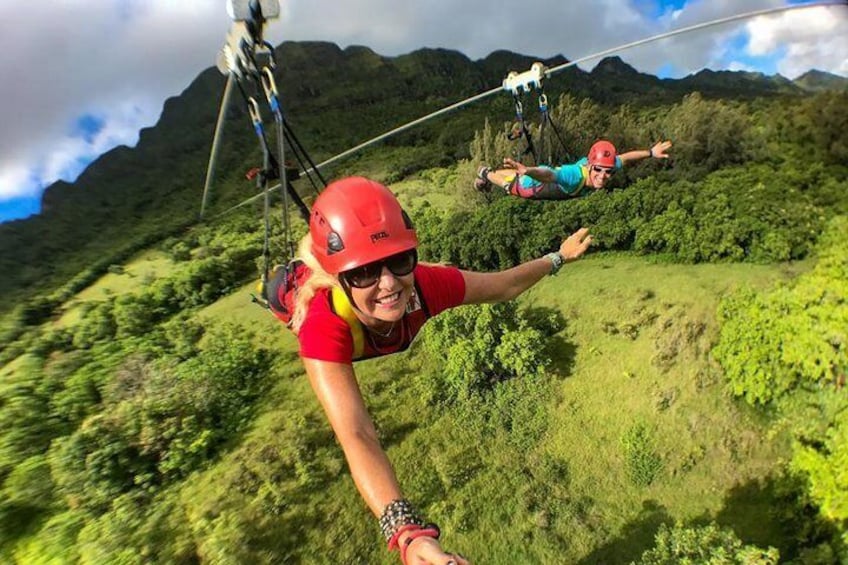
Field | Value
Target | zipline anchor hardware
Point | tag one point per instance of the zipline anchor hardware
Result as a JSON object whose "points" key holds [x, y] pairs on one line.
{"points": [[526, 81], [232, 58], [241, 10], [246, 34]]}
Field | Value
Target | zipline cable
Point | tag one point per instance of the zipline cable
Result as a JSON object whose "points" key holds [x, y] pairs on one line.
{"points": [[493, 91]]}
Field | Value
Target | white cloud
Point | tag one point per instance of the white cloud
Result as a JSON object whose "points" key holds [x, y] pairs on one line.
{"points": [[693, 51], [65, 59], [812, 38], [15, 181], [739, 66]]}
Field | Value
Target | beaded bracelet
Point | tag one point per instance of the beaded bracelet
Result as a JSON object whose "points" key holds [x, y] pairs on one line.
{"points": [[396, 514]]}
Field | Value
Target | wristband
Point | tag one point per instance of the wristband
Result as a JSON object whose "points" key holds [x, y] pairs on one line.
{"points": [[557, 261], [651, 153]]}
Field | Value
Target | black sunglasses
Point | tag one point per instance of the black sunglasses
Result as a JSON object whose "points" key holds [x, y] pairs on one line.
{"points": [[599, 169], [399, 264]]}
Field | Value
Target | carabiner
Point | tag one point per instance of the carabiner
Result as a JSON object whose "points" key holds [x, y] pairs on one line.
{"points": [[272, 59], [543, 102], [255, 116], [270, 88], [519, 109]]}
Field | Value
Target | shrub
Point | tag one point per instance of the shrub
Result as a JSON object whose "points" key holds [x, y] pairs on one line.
{"points": [[482, 346], [704, 544], [825, 464], [642, 462], [159, 420]]}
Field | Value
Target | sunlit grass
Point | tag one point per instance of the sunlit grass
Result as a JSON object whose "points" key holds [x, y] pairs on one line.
{"points": [[239, 308], [436, 187], [142, 269], [641, 334]]}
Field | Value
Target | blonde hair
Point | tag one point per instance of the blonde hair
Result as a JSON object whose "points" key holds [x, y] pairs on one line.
{"points": [[318, 279]]}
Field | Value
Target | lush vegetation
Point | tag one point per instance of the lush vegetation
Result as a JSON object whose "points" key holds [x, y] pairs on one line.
{"points": [[707, 544], [678, 396], [788, 347]]}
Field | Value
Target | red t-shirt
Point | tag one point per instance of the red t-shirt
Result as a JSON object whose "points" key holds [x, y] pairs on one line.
{"points": [[327, 337]]}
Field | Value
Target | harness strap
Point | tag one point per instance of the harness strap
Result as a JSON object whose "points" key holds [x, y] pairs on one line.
{"points": [[546, 120], [262, 184], [270, 88], [295, 144], [341, 307], [525, 131]]}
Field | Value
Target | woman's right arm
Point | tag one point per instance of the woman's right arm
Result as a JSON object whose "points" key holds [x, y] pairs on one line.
{"points": [[338, 392]]}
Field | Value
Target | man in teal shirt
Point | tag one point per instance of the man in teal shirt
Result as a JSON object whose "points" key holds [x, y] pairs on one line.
{"points": [[566, 181]]}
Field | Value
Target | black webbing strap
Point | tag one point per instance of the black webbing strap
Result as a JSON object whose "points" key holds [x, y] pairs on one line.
{"points": [[525, 131]]}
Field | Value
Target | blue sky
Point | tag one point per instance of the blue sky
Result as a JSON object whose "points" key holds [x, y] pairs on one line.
{"points": [[663, 6], [88, 126], [69, 96]]}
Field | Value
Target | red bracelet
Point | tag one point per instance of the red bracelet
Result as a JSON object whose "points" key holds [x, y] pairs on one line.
{"points": [[429, 531], [393, 542]]}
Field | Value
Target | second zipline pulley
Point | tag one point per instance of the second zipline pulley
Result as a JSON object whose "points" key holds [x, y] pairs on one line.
{"points": [[519, 84]]}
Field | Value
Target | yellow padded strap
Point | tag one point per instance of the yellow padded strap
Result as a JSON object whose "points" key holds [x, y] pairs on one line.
{"points": [[344, 309]]}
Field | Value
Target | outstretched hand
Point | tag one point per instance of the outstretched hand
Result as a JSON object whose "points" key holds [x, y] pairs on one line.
{"points": [[576, 244], [511, 163], [660, 149], [427, 551]]}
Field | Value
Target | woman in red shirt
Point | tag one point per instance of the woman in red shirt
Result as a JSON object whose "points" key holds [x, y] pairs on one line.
{"points": [[368, 296]]}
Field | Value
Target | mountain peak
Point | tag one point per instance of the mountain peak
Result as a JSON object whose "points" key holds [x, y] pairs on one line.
{"points": [[816, 80], [614, 66]]}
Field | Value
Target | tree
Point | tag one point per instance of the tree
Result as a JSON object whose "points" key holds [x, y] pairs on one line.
{"points": [[481, 346], [709, 134]]}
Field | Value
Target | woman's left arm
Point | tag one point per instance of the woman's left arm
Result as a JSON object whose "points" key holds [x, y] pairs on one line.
{"points": [[658, 151], [505, 285]]}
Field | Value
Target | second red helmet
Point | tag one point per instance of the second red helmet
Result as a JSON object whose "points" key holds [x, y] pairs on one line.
{"points": [[356, 221], [602, 153]]}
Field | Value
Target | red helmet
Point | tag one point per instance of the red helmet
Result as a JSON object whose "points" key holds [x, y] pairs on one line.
{"points": [[602, 153], [356, 221]]}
